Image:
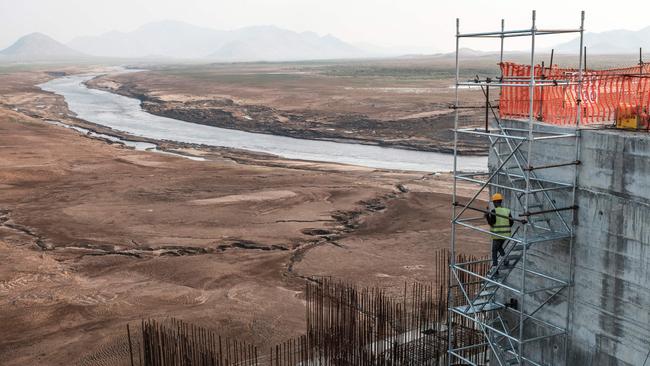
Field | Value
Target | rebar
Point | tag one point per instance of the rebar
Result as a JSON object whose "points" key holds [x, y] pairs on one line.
{"points": [[346, 325]]}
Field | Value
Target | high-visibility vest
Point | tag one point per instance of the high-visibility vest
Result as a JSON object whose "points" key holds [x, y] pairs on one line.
{"points": [[502, 224]]}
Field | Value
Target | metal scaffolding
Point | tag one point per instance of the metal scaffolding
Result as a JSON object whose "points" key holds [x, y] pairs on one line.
{"points": [[511, 328]]}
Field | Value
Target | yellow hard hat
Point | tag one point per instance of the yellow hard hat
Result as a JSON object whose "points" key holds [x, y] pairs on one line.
{"points": [[497, 197]]}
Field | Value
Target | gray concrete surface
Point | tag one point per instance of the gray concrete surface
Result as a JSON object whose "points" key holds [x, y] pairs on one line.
{"points": [[608, 308]]}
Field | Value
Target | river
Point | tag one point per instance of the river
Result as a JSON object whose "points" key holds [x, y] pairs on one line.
{"points": [[125, 114]]}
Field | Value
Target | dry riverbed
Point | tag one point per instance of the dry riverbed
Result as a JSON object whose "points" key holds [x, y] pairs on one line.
{"points": [[94, 235]]}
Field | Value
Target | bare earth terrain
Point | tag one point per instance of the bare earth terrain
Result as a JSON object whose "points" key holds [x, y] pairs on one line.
{"points": [[403, 103], [94, 235]]}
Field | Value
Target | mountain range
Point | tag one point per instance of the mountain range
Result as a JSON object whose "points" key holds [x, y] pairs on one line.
{"points": [[181, 40], [37, 47], [178, 40], [610, 42]]}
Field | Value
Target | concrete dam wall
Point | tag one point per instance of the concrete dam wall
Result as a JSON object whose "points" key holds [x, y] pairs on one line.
{"points": [[607, 309]]}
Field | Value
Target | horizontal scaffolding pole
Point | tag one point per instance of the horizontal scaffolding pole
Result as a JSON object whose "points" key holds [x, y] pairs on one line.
{"points": [[540, 274], [525, 78], [535, 83], [543, 322], [540, 306], [481, 132], [559, 330], [517, 33], [525, 130], [560, 136], [497, 33], [468, 178], [486, 231], [475, 196], [478, 181], [542, 33], [558, 31], [489, 212], [547, 189], [560, 283], [471, 107], [470, 219], [519, 80], [484, 278], [528, 214], [483, 324], [530, 240], [550, 166], [535, 179]]}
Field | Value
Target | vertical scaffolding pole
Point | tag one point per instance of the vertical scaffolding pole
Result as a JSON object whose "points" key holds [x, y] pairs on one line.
{"points": [[640, 61], [531, 91], [503, 37], [502, 43], [570, 295], [580, 70], [452, 254]]}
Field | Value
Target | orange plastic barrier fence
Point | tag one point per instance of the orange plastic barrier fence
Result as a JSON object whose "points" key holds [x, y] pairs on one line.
{"points": [[603, 91]]}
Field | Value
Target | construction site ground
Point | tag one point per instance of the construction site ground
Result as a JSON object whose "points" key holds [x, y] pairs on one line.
{"points": [[95, 235]]}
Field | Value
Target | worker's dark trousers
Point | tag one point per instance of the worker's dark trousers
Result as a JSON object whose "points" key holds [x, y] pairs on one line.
{"points": [[497, 248]]}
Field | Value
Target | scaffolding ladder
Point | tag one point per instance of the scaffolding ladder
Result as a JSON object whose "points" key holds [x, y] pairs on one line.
{"points": [[510, 329]]}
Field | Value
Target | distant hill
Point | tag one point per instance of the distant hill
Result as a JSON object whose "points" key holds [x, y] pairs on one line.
{"points": [[610, 42], [175, 39], [163, 39], [38, 47], [268, 43]]}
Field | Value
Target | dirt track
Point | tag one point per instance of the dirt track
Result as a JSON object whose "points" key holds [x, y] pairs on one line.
{"points": [[93, 236]]}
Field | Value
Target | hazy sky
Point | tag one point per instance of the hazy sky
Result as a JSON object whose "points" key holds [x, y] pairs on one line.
{"points": [[424, 25]]}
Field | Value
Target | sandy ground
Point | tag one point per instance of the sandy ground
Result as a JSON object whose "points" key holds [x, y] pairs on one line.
{"points": [[93, 236]]}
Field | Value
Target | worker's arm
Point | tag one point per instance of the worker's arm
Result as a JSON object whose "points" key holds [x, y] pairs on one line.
{"points": [[491, 218], [512, 222]]}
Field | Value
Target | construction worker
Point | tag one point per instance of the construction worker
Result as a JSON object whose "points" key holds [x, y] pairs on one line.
{"points": [[500, 220]]}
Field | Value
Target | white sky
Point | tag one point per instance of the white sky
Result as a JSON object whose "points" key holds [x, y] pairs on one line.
{"points": [[419, 24]]}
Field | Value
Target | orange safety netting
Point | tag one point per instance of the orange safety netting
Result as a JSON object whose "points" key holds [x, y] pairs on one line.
{"points": [[603, 92]]}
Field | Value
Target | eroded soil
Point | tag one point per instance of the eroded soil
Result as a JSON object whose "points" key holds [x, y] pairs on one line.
{"points": [[95, 235]]}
